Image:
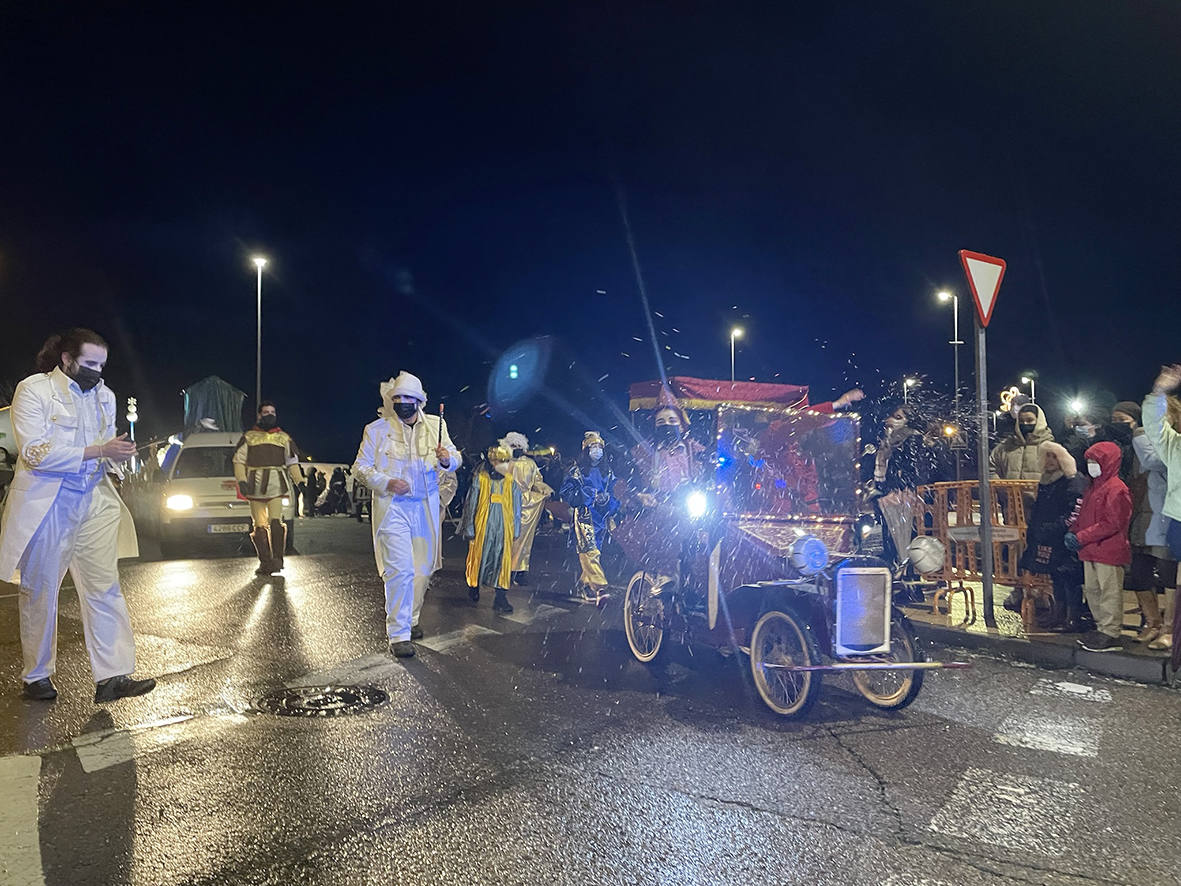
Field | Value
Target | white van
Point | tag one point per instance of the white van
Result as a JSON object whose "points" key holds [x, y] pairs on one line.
{"points": [[194, 497]]}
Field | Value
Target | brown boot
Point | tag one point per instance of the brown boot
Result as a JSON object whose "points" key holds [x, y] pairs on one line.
{"points": [[278, 543], [262, 546], [1152, 619]]}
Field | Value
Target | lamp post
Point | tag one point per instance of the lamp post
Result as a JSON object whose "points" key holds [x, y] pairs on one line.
{"points": [[735, 333], [946, 296], [908, 382], [1030, 378], [259, 263]]}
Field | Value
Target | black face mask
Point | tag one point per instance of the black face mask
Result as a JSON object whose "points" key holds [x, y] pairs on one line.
{"points": [[405, 410], [85, 377], [266, 422], [1026, 430], [667, 433], [518, 453]]}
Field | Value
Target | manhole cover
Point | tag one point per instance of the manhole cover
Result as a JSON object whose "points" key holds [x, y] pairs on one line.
{"points": [[322, 701]]}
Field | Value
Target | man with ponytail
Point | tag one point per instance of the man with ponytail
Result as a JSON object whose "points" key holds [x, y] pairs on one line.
{"points": [[63, 512]]}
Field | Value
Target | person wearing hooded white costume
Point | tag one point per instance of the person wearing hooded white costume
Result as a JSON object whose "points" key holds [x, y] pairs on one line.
{"points": [[534, 493], [400, 460], [64, 512]]}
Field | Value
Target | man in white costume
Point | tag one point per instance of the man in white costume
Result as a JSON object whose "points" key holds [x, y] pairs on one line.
{"points": [[534, 492], [400, 458], [63, 512]]}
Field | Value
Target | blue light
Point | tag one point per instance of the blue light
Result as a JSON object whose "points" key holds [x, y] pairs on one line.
{"points": [[513, 372]]}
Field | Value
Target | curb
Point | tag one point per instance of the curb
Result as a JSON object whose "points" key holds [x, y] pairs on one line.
{"points": [[1152, 670]]}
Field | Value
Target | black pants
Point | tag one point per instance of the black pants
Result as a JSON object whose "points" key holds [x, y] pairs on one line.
{"points": [[1068, 593]]}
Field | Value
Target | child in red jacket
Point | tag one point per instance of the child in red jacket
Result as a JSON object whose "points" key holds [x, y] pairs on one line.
{"points": [[1100, 535]]}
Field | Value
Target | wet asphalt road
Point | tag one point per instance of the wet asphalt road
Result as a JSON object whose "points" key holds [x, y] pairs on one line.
{"points": [[534, 750]]}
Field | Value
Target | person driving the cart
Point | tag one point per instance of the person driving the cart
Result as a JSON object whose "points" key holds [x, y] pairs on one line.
{"points": [[671, 460], [588, 489]]}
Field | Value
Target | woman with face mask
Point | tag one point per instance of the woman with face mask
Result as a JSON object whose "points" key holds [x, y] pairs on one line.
{"points": [[266, 466], [589, 490], [491, 520], [902, 462]]}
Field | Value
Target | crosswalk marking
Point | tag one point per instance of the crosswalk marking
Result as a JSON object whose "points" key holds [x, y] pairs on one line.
{"points": [[527, 617], [1011, 810], [1074, 736], [20, 839], [443, 642], [359, 670], [1066, 689]]}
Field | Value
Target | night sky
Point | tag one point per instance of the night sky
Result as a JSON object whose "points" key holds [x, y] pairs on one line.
{"points": [[431, 187]]}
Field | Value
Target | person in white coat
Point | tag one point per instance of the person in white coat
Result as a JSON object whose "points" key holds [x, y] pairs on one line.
{"points": [[400, 457], [64, 512]]}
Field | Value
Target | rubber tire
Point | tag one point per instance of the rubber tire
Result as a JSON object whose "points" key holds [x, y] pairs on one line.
{"points": [[172, 550], [811, 648], [900, 632], [628, 631]]}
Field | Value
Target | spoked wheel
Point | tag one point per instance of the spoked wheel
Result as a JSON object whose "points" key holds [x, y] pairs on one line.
{"points": [[892, 690], [643, 618], [779, 643]]}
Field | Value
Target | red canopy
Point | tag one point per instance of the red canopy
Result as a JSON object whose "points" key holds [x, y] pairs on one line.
{"points": [[705, 393]]}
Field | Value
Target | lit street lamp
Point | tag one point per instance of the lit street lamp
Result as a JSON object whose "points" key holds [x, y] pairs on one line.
{"points": [[1030, 378], [945, 296], [259, 263], [908, 383], [735, 333]]}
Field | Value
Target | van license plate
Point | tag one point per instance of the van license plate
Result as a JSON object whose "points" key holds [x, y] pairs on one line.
{"points": [[229, 527]]}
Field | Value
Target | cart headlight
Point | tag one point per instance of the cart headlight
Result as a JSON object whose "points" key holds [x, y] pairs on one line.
{"points": [[696, 504], [179, 503], [809, 555]]}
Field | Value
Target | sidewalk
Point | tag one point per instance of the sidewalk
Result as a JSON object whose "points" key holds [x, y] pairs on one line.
{"points": [[1134, 662]]}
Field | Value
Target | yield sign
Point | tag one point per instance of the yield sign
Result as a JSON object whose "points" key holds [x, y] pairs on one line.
{"points": [[985, 273]]}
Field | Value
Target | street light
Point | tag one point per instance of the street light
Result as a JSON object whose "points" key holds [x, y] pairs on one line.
{"points": [[1030, 378], [1077, 406], [907, 384], [735, 333], [259, 263]]}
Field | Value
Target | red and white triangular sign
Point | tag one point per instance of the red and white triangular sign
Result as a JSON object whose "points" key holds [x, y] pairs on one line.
{"points": [[984, 273]]}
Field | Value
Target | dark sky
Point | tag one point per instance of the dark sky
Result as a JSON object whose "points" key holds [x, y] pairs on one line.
{"points": [[431, 187]]}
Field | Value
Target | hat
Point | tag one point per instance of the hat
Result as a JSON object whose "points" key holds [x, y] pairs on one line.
{"points": [[498, 453], [1127, 407], [1066, 462], [405, 385], [591, 438], [515, 440]]}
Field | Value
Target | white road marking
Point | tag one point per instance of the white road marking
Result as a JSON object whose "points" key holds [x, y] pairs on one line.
{"points": [[1066, 689], [20, 838], [527, 617], [1074, 736], [359, 670], [1014, 811], [111, 747], [443, 642]]}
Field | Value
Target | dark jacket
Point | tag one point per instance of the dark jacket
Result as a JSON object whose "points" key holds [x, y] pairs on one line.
{"points": [[1106, 512], [1045, 544]]}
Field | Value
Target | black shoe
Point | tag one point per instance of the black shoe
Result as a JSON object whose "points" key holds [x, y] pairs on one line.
{"points": [[521, 579], [473, 594], [501, 603], [40, 690], [122, 686], [1013, 601], [402, 648], [415, 633], [1097, 642]]}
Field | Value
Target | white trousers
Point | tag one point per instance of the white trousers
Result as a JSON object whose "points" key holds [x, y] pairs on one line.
{"points": [[408, 545], [80, 533]]}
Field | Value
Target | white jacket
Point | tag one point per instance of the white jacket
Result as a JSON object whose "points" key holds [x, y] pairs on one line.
{"points": [[1167, 443], [389, 449], [45, 424]]}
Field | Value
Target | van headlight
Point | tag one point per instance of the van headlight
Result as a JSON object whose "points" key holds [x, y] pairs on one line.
{"points": [[809, 555], [696, 504], [179, 503]]}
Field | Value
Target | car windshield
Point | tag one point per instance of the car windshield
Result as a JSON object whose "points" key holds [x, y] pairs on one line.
{"points": [[204, 461]]}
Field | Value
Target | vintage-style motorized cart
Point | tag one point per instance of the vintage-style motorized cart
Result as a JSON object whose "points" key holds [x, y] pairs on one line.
{"points": [[757, 548]]}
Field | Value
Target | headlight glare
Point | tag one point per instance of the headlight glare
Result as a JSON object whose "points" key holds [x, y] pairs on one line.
{"points": [[179, 503], [696, 504]]}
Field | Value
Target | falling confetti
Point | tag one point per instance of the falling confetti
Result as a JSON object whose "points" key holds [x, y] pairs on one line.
{"points": [[601, 377], [624, 354], [464, 388]]}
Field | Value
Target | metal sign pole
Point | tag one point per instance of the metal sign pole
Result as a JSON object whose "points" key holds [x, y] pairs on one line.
{"points": [[985, 481]]}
